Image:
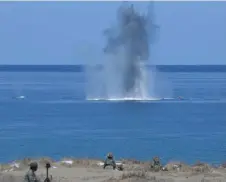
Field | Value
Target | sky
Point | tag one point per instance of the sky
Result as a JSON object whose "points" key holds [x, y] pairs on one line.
{"points": [[71, 32]]}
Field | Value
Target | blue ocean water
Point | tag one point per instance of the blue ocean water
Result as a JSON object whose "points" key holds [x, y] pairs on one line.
{"points": [[54, 119]]}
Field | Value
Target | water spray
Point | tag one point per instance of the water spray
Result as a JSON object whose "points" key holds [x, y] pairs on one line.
{"points": [[127, 51]]}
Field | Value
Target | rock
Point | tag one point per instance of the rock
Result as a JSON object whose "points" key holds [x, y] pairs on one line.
{"points": [[178, 166], [223, 165], [201, 168]]}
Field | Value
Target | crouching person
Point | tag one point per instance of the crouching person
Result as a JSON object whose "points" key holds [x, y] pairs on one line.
{"points": [[109, 161], [156, 165]]}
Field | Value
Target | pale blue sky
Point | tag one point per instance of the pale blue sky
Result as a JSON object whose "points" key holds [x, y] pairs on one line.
{"points": [[70, 32]]}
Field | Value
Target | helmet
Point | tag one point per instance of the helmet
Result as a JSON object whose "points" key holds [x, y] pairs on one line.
{"points": [[156, 159], [110, 155], [33, 165]]}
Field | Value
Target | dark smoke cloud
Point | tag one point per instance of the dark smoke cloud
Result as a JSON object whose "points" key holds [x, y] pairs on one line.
{"points": [[133, 32]]}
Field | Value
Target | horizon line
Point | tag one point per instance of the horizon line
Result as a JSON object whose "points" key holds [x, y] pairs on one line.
{"points": [[82, 68], [102, 64]]}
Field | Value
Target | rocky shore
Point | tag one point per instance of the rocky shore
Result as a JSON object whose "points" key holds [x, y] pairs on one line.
{"points": [[90, 170]]}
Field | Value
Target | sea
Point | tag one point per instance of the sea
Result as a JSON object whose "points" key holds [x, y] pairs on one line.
{"points": [[44, 112]]}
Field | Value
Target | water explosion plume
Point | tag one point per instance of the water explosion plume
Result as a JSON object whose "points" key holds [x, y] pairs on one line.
{"points": [[128, 50]]}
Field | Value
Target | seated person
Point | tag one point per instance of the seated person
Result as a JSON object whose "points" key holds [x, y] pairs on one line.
{"points": [[156, 165], [109, 161]]}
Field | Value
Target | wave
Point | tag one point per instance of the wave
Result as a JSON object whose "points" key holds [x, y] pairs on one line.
{"points": [[128, 99]]}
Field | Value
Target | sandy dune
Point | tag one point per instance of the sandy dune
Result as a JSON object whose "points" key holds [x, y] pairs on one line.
{"points": [[73, 170]]}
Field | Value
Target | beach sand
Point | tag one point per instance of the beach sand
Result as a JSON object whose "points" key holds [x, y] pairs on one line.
{"points": [[81, 170]]}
